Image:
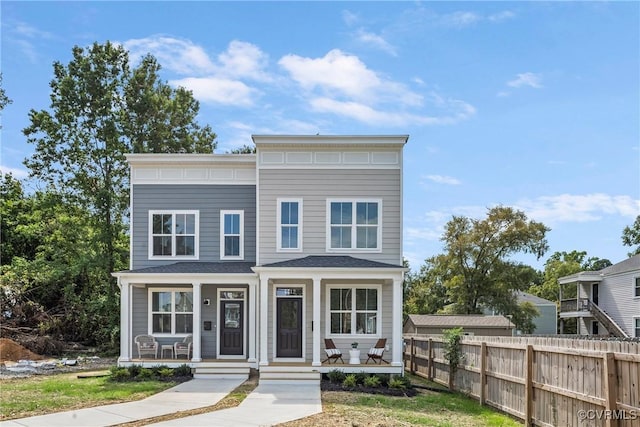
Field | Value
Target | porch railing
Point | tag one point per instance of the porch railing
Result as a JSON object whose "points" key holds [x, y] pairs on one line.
{"points": [[574, 304]]}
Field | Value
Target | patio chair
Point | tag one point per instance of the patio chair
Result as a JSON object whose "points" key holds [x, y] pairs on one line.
{"points": [[375, 353], [183, 347], [333, 353], [147, 345]]}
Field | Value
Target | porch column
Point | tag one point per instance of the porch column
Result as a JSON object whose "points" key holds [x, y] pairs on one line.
{"points": [[125, 321], [396, 359], [264, 305], [197, 310], [253, 294], [316, 322]]}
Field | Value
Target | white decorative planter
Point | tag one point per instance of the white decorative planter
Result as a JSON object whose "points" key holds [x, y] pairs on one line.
{"points": [[354, 357]]}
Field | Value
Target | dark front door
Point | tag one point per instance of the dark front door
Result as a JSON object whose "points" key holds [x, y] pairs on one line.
{"points": [[289, 327], [594, 293], [231, 327]]}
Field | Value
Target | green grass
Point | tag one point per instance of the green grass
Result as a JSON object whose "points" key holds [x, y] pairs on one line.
{"points": [[26, 397]]}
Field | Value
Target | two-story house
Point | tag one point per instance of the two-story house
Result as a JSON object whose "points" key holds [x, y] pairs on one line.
{"points": [[606, 302], [259, 258]]}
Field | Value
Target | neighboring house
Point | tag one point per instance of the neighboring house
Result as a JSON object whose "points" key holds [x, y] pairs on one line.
{"points": [[607, 302], [261, 256], [546, 322], [471, 324]]}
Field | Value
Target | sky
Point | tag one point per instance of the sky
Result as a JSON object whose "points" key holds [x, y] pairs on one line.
{"points": [[533, 105]]}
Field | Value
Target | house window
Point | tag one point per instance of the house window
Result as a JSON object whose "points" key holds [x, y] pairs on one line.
{"points": [[354, 225], [173, 234], [289, 225], [354, 310], [171, 312], [636, 289], [637, 326], [231, 234]]}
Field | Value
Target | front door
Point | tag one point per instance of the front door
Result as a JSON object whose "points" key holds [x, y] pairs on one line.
{"points": [[594, 293], [231, 327], [289, 327]]}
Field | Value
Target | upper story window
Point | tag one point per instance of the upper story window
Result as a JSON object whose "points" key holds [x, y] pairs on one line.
{"points": [[231, 234], [289, 213], [170, 312], [354, 310], [173, 234], [354, 225], [636, 289]]}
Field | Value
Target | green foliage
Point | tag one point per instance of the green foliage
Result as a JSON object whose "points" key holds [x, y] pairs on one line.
{"points": [[165, 372], [452, 348], [398, 383], [350, 381], [119, 374], [361, 376], [372, 381], [4, 99], [134, 370], [145, 374], [245, 149], [336, 376], [631, 236], [183, 370]]}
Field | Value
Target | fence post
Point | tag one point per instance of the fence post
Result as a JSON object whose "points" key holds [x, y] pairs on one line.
{"points": [[610, 387], [412, 360], [483, 371], [430, 360], [528, 387]]}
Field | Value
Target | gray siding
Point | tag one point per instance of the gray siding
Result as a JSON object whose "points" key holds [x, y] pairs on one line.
{"points": [[208, 200], [315, 186], [617, 299], [546, 321]]}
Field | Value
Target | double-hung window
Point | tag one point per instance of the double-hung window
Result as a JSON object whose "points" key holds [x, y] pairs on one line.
{"points": [[354, 310], [636, 324], [173, 234], [636, 289], [289, 214], [170, 312], [232, 234], [354, 225]]}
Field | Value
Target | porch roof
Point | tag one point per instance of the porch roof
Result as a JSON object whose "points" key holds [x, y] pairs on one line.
{"points": [[330, 261], [197, 268]]}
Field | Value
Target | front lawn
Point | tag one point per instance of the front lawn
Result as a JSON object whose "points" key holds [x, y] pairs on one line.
{"points": [[37, 395]]}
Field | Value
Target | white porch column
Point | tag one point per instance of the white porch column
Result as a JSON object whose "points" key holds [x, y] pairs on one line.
{"points": [[197, 314], [396, 359], [264, 306], [316, 322], [125, 321], [253, 294]]}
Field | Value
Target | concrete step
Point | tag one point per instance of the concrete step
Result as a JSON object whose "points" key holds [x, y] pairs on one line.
{"points": [[222, 371], [289, 375]]}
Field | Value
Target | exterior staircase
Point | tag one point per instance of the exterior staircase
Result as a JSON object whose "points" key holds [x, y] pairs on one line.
{"points": [[606, 320], [222, 370], [289, 374]]}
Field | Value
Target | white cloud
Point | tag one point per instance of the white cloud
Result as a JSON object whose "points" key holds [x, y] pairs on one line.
{"points": [[180, 56], [578, 208], [461, 19], [442, 179], [376, 41], [17, 173], [218, 90], [526, 79], [242, 59], [501, 16], [349, 17]]}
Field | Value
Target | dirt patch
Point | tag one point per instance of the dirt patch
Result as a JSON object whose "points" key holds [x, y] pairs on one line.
{"points": [[11, 351]]}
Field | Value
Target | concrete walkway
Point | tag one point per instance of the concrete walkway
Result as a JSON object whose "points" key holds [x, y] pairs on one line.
{"points": [[267, 405], [193, 394]]}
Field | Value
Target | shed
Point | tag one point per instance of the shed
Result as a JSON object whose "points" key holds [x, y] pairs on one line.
{"points": [[472, 324]]}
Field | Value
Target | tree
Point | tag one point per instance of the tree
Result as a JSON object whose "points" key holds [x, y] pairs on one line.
{"points": [[100, 110], [245, 149], [631, 236], [4, 100]]}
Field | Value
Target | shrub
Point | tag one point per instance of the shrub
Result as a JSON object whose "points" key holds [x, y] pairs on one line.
{"points": [[119, 374], [372, 381], [336, 376], [384, 379], [350, 381], [134, 370], [361, 377], [145, 374], [401, 383], [157, 368], [183, 370], [165, 372]]}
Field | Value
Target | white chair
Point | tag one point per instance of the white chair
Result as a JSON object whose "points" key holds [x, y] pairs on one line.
{"points": [[147, 345], [183, 347]]}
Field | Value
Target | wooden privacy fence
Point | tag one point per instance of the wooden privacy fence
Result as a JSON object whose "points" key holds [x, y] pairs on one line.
{"points": [[571, 383]]}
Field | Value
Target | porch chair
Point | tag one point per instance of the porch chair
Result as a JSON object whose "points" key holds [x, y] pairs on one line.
{"points": [[147, 345], [333, 353], [375, 353], [183, 347]]}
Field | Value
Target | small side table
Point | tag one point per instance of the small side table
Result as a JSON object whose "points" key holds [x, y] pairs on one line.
{"points": [[166, 347], [354, 357]]}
